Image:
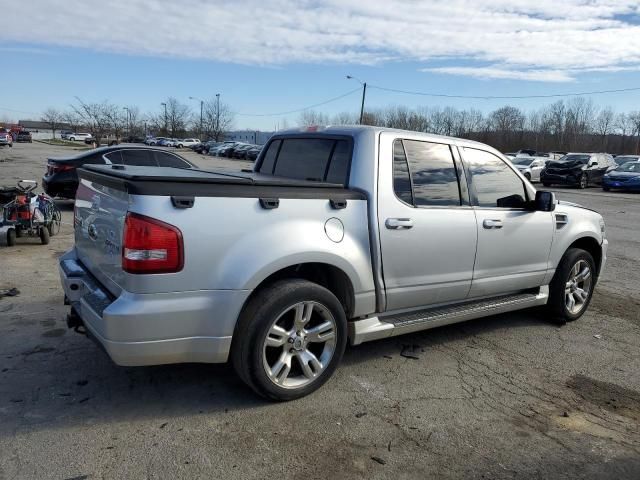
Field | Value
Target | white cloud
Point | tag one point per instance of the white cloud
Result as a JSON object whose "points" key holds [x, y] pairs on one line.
{"points": [[543, 40]]}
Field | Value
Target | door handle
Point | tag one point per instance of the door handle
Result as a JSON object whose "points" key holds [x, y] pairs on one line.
{"points": [[488, 223], [398, 223]]}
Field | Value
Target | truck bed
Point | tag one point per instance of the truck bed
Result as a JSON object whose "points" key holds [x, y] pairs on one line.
{"points": [[168, 181]]}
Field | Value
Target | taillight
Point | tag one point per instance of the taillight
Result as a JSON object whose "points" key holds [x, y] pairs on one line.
{"points": [[59, 167], [151, 246]]}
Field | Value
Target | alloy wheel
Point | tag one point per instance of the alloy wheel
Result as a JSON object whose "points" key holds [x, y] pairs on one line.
{"points": [[578, 287], [299, 345]]}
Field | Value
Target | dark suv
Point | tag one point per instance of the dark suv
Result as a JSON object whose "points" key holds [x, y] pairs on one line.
{"points": [[577, 169], [61, 177]]}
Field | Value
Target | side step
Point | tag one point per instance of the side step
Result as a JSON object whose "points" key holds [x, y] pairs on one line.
{"points": [[374, 328]]}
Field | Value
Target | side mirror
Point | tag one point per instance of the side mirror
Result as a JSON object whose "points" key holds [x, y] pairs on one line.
{"points": [[545, 201]]}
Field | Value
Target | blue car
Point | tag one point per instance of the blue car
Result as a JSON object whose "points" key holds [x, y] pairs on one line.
{"points": [[625, 177]]}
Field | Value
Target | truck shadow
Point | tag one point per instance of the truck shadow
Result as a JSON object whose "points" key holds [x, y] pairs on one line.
{"points": [[62, 379]]}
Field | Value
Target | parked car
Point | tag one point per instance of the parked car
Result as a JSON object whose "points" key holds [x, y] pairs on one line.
{"points": [[226, 150], [64, 134], [577, 169], [297, 270], [166, 142], [622, 159], [203, 148], [240, 151], [624, 177], [526, 151], [5, 138], [187, 142], [24, 136], [78, 136], [253, 152], [153, 141], [61, 176], [530, 167]]}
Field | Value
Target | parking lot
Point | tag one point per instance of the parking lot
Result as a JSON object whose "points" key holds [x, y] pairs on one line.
{"points": [[510, 396]]}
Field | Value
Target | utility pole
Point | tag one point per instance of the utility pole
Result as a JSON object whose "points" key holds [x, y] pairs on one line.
{"points": [[166, 127], [364, 93], [217, 116]]}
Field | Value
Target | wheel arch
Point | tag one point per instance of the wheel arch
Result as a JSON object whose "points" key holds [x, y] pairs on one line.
{"points": [[591, 245]]}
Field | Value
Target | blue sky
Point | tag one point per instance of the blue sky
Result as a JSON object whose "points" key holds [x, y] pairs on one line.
{"points": [[263, 60]]}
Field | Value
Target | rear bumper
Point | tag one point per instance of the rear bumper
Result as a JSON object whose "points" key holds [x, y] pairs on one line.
{"points": [[153, 329], [622, 185]]}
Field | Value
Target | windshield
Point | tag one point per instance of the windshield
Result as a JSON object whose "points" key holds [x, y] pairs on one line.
{"points": [[521, 161], [621, 160], [629, 167], [575, 158]]}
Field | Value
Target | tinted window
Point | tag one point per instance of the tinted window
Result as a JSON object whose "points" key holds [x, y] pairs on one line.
{"points": [[496, 185], [401, 178], [114, 157], [167, 160], [433, 173], [303, 158], [269, 160], [138, 157], [339, 166]]}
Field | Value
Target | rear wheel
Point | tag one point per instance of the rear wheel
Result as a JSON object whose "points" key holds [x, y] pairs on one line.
{"points": [[44, 235], [289, 339], [572, 285], [527, 176]]}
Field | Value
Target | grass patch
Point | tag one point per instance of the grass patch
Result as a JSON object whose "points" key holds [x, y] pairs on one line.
{"points": [[64, 143]]}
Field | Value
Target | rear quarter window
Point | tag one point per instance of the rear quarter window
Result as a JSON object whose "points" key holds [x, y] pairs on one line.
{"points": [[168, 160], [318, 159]]}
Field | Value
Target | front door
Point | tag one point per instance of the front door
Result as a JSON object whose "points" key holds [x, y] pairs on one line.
{"points": [[513, 241], [427, 227]]}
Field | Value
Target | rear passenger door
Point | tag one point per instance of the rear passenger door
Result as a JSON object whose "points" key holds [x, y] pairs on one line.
{"points": [[427, 228]]}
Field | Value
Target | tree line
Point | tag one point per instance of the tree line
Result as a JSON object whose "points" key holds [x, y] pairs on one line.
{"points": [[174, 119], [573, 125]]}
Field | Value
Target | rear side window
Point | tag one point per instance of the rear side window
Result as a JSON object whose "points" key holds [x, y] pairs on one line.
{"points": [[114, 157], [433, 174], [139, 158], [167, 160], [401, 178], [319, 159]]}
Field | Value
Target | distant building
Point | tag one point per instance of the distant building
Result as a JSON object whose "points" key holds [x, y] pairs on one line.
{"points": [[42, 130], [249, 136]]}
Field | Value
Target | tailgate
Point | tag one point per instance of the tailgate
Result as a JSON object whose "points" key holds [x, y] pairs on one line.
{"points": [[99, 220]]}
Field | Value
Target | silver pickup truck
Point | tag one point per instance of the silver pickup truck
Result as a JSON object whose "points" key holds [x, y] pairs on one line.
{"points": [[338, 234]]}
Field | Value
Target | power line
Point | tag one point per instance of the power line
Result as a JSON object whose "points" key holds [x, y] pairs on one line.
{"points": [[17, 111], [299, 109], [503, 97]]}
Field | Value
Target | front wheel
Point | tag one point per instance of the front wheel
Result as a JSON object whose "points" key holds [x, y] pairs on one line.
{"points": [[572, 285], [606, 189], [289, 339], [44, 235], [527, 176], [584, 182]]}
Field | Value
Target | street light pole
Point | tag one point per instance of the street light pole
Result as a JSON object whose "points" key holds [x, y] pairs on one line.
{"points": [[364, 93], [166, 128], [217, 116], [201, 106], [128, 120]]}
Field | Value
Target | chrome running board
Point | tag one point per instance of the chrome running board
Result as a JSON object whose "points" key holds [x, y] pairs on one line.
{"points": [[374, 328]]}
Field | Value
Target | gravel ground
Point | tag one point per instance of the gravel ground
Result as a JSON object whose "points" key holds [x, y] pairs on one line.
{"points": [[511, 396]]}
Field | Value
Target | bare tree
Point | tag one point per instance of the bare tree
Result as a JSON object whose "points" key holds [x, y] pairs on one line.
{"points": [[634, 119], [53, 118], [178, 116], [217, 119], [311, 117], [604, 125], [73, 119], [344, 118], [95, 116]]}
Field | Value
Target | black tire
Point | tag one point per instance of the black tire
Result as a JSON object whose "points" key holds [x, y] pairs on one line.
{"points": [[545, 184], [606, 189], [72, 139], [253, 326], [18, 232], [584, 181], [527, 176], [556, 305], [44, 235], [11, 237]]}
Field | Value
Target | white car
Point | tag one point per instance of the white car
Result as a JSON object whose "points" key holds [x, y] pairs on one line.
{"points": [[530, 167], [78, 136], [187, 142]]}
